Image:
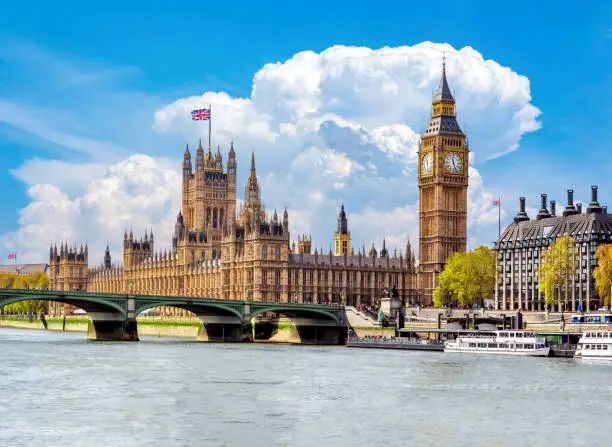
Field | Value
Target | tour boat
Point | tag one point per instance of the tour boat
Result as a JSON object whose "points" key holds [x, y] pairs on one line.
{"points": [[595, 344], [523, 343]]}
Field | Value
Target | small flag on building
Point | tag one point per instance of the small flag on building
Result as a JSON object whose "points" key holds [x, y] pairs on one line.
{"points": [[496, 202], [12, 256], [200, 114]]}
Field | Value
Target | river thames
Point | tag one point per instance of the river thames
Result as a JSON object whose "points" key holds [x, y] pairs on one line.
{"points": [[58, 389]]}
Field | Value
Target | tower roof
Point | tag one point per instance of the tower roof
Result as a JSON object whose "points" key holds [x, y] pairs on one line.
{"points": [[444, 92]]}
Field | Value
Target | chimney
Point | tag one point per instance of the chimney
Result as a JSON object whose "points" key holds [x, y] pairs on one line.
{"points": [[522, 215], [579, 208], [553, 208], [594, 205], [570, 209], [543, 213]]}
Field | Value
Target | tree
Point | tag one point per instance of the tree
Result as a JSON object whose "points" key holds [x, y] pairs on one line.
{"points": [[37, 280], [557, 268], [467, 278], [603, 272]]}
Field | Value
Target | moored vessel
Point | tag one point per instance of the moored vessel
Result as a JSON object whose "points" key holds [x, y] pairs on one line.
{"points": [[595, 344], [521, 343]]}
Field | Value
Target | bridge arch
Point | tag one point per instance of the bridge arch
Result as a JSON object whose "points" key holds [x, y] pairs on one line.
{"points": [[91, 305], [296, 312], [200, 309]]}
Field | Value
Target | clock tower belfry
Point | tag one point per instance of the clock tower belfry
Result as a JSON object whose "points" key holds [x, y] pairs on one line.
{"points": [[443, 183]]}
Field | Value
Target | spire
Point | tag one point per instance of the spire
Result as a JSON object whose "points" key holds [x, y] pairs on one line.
{"points": [[107, 258], [253, 173], [187, 153], [231, 151], [342, 222], [384, 252], [444, 92]]}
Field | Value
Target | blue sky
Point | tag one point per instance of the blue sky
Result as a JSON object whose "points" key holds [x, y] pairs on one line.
{"points": [[81, 84]]}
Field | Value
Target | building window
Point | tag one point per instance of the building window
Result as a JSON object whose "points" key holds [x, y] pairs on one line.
{"points": [[264, 252]]}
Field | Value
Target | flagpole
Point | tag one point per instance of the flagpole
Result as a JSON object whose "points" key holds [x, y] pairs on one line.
{"points": [[209, 123], [499, 218]]}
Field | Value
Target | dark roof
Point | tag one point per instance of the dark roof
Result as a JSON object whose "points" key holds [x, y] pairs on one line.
{"points": [[443, 124], [324, 259], [584, 226], [443, 93]]}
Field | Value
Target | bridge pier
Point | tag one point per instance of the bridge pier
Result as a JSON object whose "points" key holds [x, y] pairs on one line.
{"points": [[115, 329], [224, 329], [300, 331]]}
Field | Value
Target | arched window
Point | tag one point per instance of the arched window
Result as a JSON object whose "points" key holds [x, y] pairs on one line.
{"points": [[208, 217], [278, 253], [264, 252], [221, 218], [214, 218], [214, 254]]}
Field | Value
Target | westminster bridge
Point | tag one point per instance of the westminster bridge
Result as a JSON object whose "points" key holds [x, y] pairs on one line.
{"points": [[113, 316]]}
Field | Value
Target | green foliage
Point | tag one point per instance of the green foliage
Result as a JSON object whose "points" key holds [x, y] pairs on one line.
{"points": [[467, 278], [37, 280], [557, 267], [603, 272]]}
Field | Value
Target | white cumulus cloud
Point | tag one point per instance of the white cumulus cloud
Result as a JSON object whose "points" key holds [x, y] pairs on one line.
{"points": [[340, 126]]}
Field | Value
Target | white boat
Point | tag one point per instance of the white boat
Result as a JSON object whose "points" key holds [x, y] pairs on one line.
{"points": [[524, 343], [595, 344]]}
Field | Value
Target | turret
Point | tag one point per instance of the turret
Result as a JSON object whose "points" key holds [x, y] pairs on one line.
{"points": [[200, 157], [522, 215], [107, 258], [219, 159], [231, 165], [187, 168], [286, 221], [372, 251], [543, 213], [553, 208], [594, 205], [384, 253], [570, 209]]}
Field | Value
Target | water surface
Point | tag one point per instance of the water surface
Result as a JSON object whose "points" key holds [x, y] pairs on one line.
{"points": [[58, 389]]}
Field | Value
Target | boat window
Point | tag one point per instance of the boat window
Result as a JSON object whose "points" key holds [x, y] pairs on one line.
{"points": [[599, 347], [605, 347], [492, 345], [528, 346], [519, 335], [482, 345], [503, 345], [587, 347], [519, 346], [502, 335], [472, 345], [599, 335]]}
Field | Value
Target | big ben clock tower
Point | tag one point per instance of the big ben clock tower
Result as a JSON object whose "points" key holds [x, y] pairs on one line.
{"points": [[443, 183]]}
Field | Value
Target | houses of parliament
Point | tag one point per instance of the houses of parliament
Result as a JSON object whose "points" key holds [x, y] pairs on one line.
{"points": [[219, 251]]}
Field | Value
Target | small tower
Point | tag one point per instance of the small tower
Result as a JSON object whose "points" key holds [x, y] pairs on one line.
{"points": [[187, 168], [107, 258], [342, 237], [304, 244]]}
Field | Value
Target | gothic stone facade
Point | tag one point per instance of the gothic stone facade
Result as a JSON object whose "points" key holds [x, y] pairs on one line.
{"points": [[216, 254], [443, 183], [520, 247]]}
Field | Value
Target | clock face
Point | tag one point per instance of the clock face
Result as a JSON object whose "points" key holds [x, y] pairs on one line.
{"points": [[453, 163], [427, 163]]}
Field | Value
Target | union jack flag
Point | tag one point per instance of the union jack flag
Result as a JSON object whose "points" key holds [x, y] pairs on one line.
{"points": [[200, 114], [12, 256]]}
